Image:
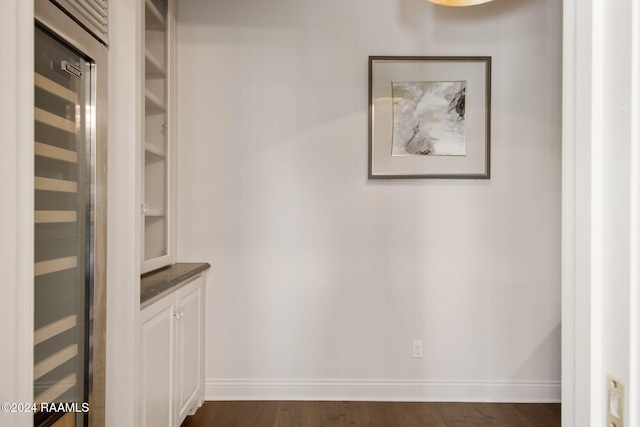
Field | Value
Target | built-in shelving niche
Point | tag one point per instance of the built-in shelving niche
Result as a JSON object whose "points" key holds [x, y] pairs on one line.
{"points": [[155, 207]]}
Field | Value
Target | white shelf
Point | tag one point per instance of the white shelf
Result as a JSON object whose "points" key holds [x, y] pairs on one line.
{"points": [[153, 68], [155, 213], [154, 21], [152, 103], [152, 149]]}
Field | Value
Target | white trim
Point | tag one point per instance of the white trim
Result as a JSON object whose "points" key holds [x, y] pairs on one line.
{"points": [[596, 181], [383, 390], [23, 320], [582, 377], [568, 214], [16, 226], [633, 388], [123, 218]]}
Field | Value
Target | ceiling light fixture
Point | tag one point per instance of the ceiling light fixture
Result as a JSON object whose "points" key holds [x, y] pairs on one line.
{"points": [[458, 3]]}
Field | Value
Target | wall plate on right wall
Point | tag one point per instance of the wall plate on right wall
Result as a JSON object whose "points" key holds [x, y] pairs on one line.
{"points": [[615, 403]]}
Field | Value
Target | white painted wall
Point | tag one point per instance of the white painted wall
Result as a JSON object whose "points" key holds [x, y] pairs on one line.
{"points": [[321, 278], [420, 24]]}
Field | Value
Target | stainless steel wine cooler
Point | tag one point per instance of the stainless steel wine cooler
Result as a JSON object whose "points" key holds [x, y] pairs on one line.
{"points": [[69, 220]]}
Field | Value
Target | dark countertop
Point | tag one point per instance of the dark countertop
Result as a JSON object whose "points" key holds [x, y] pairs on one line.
{"points": [[158, 282]]}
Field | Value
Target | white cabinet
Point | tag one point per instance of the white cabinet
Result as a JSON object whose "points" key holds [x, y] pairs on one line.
{"points": [[158, 360], [172, 364], [158, 143], [190, 350]]}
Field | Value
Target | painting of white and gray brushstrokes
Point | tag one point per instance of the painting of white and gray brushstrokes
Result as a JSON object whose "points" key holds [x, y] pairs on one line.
{"points": [[428, 118]]}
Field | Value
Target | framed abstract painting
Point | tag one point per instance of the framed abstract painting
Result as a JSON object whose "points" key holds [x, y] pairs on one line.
{"points": [[429, 117]]}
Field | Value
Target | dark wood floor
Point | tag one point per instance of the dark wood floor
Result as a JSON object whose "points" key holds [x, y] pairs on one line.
{"points": [[374, 414]]}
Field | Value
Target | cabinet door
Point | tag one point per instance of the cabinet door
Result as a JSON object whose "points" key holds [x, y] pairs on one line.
{"points": [[157, 179], [190, 375], [158, 341], [64, 226]]}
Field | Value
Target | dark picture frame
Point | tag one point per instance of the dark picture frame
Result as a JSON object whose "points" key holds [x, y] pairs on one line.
{"points": [[429, 117]]}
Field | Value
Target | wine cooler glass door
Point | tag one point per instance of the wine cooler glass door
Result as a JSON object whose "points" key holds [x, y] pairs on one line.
{"points": [[63, 183]]}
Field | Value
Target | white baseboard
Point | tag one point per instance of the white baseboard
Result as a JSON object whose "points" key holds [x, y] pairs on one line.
{"points": [[383, 390]]}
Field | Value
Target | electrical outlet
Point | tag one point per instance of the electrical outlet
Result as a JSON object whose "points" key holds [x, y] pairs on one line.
{"points": [[615, 403], [417, 349]]}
